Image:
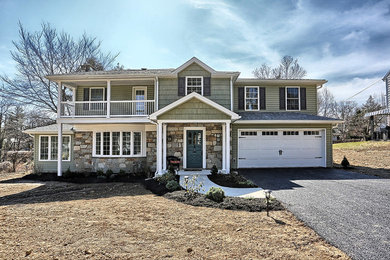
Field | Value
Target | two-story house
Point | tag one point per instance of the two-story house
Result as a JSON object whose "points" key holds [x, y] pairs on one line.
{"points": [[136, 118]]}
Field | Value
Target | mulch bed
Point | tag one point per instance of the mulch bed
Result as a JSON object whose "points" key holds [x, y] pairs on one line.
{"points": [[230, 203], [231, 180], [83, 179]]}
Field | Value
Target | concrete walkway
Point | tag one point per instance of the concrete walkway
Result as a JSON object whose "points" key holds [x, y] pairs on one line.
{"points": [[231, 192]]}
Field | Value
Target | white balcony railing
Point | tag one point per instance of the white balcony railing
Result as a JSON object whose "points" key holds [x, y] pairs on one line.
{"points": [[100, 108]]}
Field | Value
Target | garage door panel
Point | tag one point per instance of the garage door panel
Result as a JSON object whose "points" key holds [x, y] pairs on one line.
{"points": [[282, 150]]}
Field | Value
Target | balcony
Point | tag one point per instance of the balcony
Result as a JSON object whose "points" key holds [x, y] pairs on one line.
{"points": [[136, 108]]}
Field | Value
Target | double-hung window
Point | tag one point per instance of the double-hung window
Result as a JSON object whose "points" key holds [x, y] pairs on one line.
{"points": [[117, 143], [292, 98], [252, 98], [48, 148], [194, 84]]}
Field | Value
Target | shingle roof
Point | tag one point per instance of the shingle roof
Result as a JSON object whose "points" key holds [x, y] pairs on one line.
{"points": [[49, 129], [282, 116], [129, 72]]}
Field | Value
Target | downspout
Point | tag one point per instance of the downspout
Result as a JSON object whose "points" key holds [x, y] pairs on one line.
{"points": [[156, 94], [231, 93]]}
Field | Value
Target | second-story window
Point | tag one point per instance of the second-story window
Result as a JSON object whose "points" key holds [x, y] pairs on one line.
{"points": [[251, 98], [292, 98], [96, 94], [194, 84]]}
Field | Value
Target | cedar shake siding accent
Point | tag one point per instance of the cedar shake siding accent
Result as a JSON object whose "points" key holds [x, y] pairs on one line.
{"points": [[193, 109]]}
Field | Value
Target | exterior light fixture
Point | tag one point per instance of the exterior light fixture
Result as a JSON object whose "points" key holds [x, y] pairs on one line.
{"points": [[267, 198]]}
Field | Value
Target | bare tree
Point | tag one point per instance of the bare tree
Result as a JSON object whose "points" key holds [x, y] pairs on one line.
{"points": [[346, 111], [288, 68], [47, 52], [327, 105]]}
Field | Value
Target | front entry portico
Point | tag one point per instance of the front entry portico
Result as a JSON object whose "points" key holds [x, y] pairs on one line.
{"points": [[195, 129]]}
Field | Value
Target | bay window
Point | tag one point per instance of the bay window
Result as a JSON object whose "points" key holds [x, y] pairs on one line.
{"points": [[111, 144], [48, 148]]}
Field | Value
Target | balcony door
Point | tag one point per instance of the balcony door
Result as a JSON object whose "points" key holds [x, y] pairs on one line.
{"points": [[139, 94]]}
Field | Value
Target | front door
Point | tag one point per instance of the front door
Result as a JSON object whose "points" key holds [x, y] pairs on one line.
{"points": [[139, 94], [194, 148]]}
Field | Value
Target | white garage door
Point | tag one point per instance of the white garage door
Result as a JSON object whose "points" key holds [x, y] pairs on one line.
{"points": [[262, 148]]}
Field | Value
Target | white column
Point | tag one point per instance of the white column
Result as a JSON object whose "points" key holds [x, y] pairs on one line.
{"points": [[223, 148], [59, 160], [74, 100], [227, 147], [59, 96], [108, 98], [164, 147], [159, 148]]}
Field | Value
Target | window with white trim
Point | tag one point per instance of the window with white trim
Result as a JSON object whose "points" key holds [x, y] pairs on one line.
{"points": [[194, 84], [251, 98], [48, 148], [117, 143], [292, 98]]}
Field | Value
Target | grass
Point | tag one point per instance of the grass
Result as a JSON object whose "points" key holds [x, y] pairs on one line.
{"points": [[371, 157], [55, 220]]}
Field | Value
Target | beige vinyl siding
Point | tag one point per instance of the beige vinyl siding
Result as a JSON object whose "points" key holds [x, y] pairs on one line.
{"points": [[51, 166], [236, 127], [119, 92], [220, 87], [272, 98], [195, 110]]}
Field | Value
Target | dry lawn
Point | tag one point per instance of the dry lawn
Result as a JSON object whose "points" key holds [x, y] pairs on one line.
{"points": [[371, 157], [124, 221]]}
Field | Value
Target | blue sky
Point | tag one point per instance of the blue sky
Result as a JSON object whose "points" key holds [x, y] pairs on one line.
{"points": [[345, 42]]}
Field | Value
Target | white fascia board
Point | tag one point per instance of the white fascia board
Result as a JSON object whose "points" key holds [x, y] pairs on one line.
{"points": [[288, 122], [184, 99]]}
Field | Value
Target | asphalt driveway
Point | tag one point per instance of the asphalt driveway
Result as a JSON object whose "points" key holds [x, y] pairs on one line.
{"points": [[350, 210]]}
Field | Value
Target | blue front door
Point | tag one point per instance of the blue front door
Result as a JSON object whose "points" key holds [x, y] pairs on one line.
{"points": [[194, 148]]}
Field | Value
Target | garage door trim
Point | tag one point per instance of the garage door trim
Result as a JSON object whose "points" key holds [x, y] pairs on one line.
{"points": [[281, 129]]}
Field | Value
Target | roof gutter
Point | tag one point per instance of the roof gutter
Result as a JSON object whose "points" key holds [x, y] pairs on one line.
{"points": [[289, 121]]}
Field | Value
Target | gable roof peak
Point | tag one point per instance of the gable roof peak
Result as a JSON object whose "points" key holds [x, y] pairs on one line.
{"points": [[197, 61]]}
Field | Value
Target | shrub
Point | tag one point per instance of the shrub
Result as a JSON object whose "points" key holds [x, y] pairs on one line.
{"points": [[68, 174], [166, 177], [345, 162], [192, 186], [172, 185], [122, 172], [215, 194], [248, 183], [99, 173], [109, 173], [214, 170]]}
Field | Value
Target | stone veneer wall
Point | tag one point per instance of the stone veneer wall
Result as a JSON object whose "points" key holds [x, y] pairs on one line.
{"points": [[84, 162], [151, 151], [213, 142]]}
